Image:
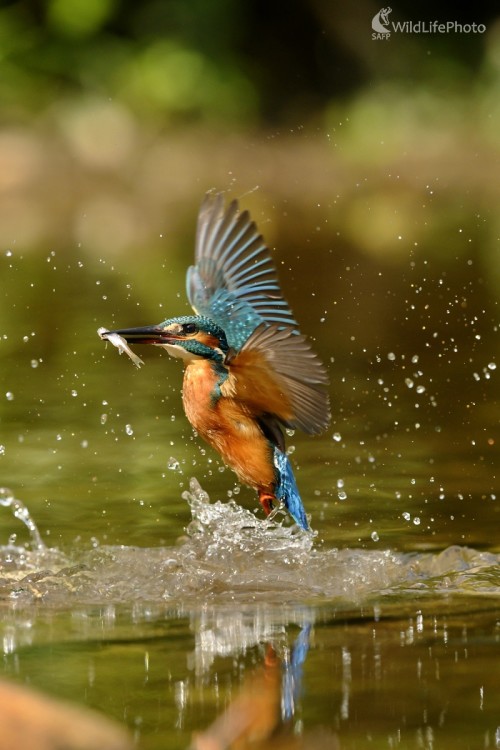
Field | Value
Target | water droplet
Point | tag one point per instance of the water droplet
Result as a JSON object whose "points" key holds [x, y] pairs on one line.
{"points": [[20, 512], [2, 450], [173, 464], [337, 437], [26, 339], [6, 496], [492, 366], [34, 363], [374, 536], [74, 393], [391, 356], [409, 382], [420, 389], [406, 516], [9, 396], [340, 483], [104, 418], [128, 429], [342, 495], [416, 521], [414, 359]]}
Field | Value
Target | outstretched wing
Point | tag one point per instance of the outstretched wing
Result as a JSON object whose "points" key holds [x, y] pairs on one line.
{"points": [[234, 281], [277, 374]]}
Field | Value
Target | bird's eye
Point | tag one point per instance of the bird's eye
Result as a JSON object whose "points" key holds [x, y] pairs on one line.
{"points": [[189, 328]]}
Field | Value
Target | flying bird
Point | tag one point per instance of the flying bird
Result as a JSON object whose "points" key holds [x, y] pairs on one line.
{"points": [[249, 372]]}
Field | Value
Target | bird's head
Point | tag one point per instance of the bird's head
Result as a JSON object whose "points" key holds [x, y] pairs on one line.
{"points": [[187, 337]]}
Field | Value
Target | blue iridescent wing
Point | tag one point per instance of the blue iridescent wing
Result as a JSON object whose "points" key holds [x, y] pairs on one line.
{"points": [[234, 281]]}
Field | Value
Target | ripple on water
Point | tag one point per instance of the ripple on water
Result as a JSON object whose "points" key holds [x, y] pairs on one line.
{"points": [[228, 554]]}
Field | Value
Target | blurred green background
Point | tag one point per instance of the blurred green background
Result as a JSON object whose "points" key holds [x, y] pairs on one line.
{"points": [[117, 116], [373, 158], [376, 159]]}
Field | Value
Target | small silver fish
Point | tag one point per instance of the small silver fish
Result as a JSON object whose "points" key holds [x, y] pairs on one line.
{"points": [[121, 345]]}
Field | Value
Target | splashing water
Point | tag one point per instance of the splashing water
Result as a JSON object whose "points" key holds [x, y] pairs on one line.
{"points": [[21, 512], [228, 555], [229, 527]]}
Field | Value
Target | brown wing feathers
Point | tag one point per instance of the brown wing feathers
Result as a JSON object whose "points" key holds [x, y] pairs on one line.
{"points": [[277, 373]]}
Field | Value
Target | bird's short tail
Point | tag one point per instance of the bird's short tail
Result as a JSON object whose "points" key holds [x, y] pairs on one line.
{"points": [[287, 491]]}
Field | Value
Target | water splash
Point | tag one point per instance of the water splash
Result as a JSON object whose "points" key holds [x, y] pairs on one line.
{"points": [[229, 556], [223, 527], [21, 512]]}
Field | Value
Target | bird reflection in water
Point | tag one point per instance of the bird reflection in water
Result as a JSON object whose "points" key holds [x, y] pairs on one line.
{"points": [[261, 716]]}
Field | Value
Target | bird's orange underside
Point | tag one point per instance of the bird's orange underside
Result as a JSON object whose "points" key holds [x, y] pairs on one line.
{"points": [[229, 424]]}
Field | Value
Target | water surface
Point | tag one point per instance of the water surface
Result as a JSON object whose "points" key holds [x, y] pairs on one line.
{"points": [[142, 580]]}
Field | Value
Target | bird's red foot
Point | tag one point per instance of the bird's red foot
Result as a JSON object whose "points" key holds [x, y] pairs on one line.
{"points": [[267, 502]]}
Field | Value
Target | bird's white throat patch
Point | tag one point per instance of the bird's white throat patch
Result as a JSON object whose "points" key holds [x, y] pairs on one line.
{"points": [[179, 352]]}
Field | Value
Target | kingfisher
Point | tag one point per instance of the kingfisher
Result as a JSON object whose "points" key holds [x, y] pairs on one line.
{"points": [[249, 372]]}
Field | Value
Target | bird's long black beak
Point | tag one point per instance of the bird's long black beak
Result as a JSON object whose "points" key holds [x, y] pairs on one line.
{"points": [[142, 335]]}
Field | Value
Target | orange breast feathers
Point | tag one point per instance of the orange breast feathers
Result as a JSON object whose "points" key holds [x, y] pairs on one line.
{"points": [[228, 424]]}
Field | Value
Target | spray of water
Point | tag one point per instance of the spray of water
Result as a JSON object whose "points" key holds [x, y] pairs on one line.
{"points": [[229, 555], [21, 512]]}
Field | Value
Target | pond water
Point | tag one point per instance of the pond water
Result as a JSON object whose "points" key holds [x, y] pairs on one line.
{"points": [[138, 578]]}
